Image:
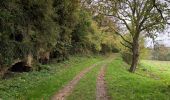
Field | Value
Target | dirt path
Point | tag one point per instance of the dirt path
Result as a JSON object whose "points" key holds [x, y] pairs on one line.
{"points": [[101, 93], [63, 93]]}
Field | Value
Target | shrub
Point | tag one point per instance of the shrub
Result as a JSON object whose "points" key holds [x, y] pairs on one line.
{"points": [[127, 57]]}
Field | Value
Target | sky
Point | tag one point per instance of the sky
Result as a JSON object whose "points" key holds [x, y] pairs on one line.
{"points": [[163, 38]]}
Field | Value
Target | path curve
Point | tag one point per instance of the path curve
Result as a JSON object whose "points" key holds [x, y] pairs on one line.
{"points": [[101, 93], [63, 93]]}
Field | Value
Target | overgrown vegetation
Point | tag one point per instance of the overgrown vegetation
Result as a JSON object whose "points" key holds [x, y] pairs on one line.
{"points": [[43, 37], [39, 30], [136, 18]]}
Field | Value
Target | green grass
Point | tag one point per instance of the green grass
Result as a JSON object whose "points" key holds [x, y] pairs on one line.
{"points": [[86, 88], [150, 82], [158, 68], [43, 84], [123, 85]]}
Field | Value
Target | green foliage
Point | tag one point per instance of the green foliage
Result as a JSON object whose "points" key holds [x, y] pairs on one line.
{"points": [[126, 52], [127, 57], [110, 43], [90, 36], [66, 16], [86, 36], [13, 50], [26, 27], [49, 29]]}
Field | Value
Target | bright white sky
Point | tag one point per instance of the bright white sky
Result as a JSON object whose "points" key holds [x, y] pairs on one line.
{"points": [[163, 38]]}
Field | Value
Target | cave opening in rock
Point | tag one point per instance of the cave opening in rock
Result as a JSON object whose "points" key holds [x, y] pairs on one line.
{"points": [[20, 67]]}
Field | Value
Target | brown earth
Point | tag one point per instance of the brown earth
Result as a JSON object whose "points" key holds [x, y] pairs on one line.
{"points": [[101, 93], [63, 93]]}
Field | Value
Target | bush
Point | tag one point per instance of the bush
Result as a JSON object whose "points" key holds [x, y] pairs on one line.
{"points": [[127, 57]]}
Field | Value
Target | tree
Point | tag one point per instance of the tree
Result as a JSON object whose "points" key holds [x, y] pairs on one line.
{"points": [[86, 36], [37, 26], [66, 16], [137, 17]]}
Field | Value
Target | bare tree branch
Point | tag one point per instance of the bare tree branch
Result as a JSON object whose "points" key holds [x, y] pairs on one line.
{"points": [[116, 32], [159, 10], [126, 45], [124, 21], [149, 25]]}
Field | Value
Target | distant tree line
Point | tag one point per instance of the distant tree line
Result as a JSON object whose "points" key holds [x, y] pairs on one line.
{"points": [[160, 52]]}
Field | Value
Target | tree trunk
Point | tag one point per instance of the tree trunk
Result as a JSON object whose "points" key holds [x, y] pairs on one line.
{"points": [[135, 55]]}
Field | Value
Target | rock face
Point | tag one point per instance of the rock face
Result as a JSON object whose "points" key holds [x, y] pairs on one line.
{"points": [[20, 67], [44, 57], [24, 65], [29, 60]]}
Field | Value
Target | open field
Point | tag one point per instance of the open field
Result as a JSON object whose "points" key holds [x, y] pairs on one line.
{"points": [[150, 82]]}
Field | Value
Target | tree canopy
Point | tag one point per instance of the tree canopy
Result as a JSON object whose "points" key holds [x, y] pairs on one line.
{"points": [[47, 29], [42, 30], [135, 17]]}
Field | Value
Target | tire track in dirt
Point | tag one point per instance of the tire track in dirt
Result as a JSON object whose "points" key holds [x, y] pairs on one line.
{"points": [[101, 91], [63, 93]]}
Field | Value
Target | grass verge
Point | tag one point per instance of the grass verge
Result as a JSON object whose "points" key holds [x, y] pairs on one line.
{"points": [[43, 84], [123, 85], [86, 88]]}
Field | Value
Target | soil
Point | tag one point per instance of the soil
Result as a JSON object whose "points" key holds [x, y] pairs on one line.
{"points": [[101, 93], [63, 93]]}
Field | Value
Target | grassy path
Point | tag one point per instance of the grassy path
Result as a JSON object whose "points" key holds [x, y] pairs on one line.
{"points": [[86, 88], [43, 84], [149, 84], [63, 93], [108, 79]]}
